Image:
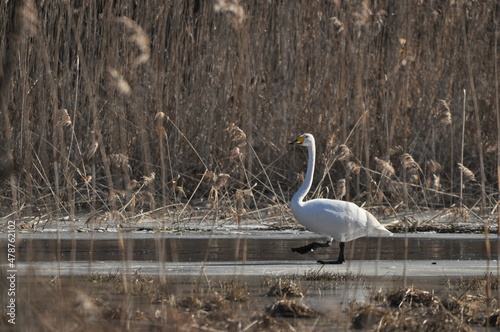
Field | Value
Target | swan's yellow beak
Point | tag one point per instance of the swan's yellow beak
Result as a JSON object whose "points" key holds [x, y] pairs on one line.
{"points": [[299, 140]]}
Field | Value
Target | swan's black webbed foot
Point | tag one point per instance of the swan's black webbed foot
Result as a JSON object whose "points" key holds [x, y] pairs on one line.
{"points": [[339, 260], [330, 262], [311, 247]]}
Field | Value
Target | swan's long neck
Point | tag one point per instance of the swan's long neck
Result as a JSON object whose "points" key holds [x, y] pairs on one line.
{"points": [[306, 186]]}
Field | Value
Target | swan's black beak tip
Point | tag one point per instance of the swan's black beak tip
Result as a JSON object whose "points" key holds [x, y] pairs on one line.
{"points": [[299, 140]]}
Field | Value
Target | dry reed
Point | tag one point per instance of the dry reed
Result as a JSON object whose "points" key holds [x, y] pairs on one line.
{"points": [[161, 85]]}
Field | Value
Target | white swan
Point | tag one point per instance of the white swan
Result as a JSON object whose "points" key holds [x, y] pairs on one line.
{"points": [[337, 220]]}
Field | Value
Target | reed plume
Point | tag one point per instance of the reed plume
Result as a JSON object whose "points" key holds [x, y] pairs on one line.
{"points": [[233, 7], [443, 113], [385, 167], [139, 37], [340, 189], [62, 118], [412, 168], [469, 175], [121, 84]]}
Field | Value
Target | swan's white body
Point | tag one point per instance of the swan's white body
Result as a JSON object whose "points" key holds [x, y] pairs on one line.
{"points": [[338, 220]]}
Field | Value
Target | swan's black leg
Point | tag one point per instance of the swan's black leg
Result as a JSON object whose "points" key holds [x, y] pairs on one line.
{"points": [[311, 247], [340, 260]]}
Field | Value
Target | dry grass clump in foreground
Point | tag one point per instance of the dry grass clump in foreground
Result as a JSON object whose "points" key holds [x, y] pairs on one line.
{"points": [[137, 302], [292, 309], [412, 309], [285, 288]]}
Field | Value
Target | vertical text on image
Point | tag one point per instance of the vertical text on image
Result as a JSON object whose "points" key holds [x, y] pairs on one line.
{"points": [[11, 271]]}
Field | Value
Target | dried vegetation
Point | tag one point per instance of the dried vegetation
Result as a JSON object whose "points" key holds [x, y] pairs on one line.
{"points": [[159, 107], [141, 302], [412, 309]]}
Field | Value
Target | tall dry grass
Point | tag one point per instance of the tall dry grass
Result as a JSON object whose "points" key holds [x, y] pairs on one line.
{"points": [[126, 106]]}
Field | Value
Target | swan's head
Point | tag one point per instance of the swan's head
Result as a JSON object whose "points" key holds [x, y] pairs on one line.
{"points": [[304, 140]]}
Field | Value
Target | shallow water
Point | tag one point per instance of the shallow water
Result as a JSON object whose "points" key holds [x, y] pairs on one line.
{"points": [[169, 248], [195, 264], [267, 253]]}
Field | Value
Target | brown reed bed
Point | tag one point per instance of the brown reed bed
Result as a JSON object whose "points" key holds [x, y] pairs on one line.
{"points": [[164, 107]]}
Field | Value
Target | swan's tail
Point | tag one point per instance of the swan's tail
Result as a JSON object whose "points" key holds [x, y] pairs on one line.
{"points": [[376, 224]]}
